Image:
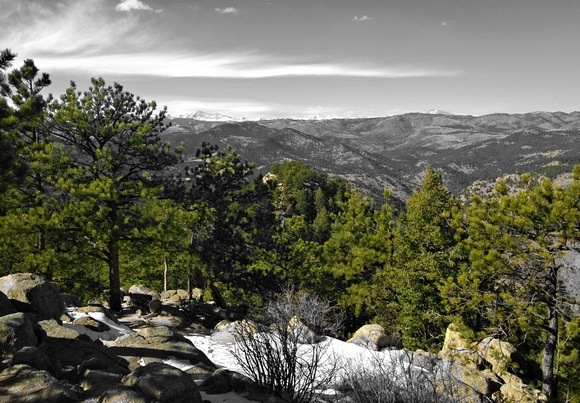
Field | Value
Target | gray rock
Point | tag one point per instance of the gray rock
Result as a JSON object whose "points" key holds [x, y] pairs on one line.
{"points": [[66, 346], [32, 293], [156, 343], [154, 305], [374, 338], [22, 383], [91, 323], [16, 331], [163, 383], [140, 289], [95, 381]]}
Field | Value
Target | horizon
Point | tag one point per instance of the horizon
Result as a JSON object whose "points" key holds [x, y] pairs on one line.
{"points": [[268, 59], [244, 119]]}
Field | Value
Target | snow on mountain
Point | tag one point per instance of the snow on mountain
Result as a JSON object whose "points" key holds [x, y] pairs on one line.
{"points": [[210, 117], [438, 112]]}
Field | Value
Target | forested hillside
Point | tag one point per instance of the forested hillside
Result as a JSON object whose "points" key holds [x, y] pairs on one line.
{"points": [[94, 198]]}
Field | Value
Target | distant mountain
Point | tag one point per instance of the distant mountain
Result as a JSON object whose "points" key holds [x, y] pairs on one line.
{"points": [[438, 112], [209, 117], [392, 153]]}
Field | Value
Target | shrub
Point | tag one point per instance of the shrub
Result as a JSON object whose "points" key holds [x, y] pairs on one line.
{"points": [[283, 354], [400, 376]]}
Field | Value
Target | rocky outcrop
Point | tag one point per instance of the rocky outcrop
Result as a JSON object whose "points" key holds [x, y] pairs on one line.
{"points": [[469, 374], [32, 293]]}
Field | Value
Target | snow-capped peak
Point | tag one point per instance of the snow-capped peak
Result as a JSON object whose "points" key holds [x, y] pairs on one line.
{"points": [[438, 112], [210, 117]]}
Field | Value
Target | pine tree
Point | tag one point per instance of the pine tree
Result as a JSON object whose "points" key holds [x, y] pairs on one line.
{"points": [[422, 240], [117, 158], [508, 284]]}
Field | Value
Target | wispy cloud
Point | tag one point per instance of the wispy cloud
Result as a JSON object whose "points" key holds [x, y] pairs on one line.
{"points": [[98, 50], [445, 23], [243, 65], [130, 5], [361, 19], [88, 27], [228, 10]]}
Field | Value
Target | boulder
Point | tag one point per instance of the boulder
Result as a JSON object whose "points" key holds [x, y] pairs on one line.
{"points": [[140, 289], [95, 381], [518, 392], [224, 381], [154, 305], [99, 309], [301, 332], [163, 383], [91, 324], [373, 337], [122, 394], [71, 300], [226, 331], [498, 353], [6, 307], [156, 343], [177, 297], [33, 357], [471, 384], [457, 349], [22, 383], [69, 348], [16, 331], [421, 359], [32, 293]]}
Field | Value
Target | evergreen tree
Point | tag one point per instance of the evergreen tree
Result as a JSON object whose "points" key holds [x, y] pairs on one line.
{"points": [[512, 245], [113, 139], [31, 238], [422, 240], [10, 167], [359, 246], [232, 219]]}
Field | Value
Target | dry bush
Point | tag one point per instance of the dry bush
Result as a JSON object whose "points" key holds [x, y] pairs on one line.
{"points": [[274, 354], [404, 378]]}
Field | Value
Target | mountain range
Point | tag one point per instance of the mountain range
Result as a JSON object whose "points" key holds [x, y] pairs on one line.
{"points": [[393, 152]]}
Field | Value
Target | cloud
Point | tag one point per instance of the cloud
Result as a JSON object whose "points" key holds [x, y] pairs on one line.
{"points": [[361, 19], [130, 5], [112, 43], [228, 10], [248, 65], [445, 23], [80, 28]]}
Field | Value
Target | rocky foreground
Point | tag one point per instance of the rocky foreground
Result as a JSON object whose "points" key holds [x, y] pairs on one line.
{"points": [[54, 351]]}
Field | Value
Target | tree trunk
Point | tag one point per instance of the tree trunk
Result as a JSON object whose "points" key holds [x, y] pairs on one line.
{"points": [[165, 270], [114, 281], [217, 295], [548, 354], [189, 288]]}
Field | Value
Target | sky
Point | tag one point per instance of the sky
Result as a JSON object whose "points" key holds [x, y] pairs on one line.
{"points": [[304, 58]]}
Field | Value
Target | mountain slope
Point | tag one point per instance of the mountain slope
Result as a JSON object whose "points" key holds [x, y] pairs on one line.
{"points": [[392, 152]]}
